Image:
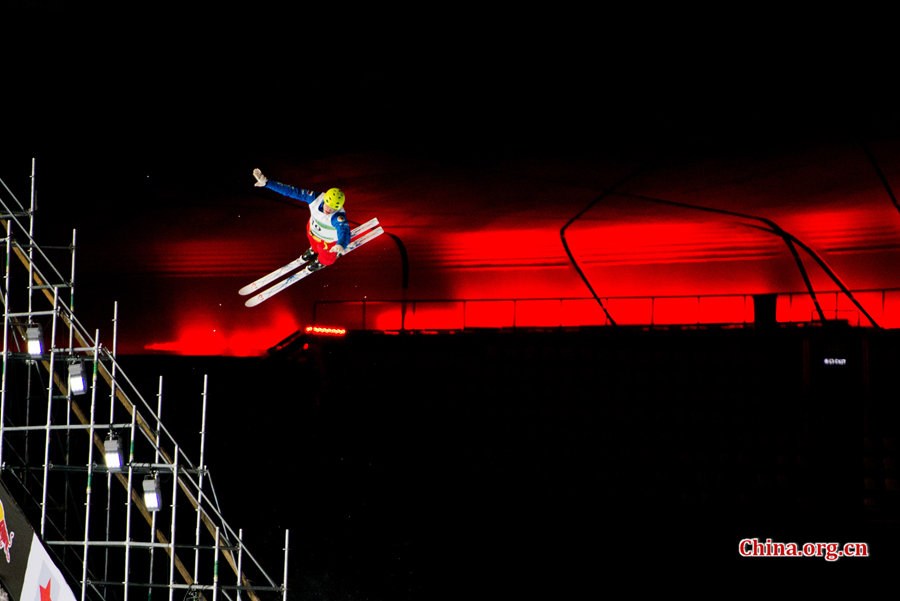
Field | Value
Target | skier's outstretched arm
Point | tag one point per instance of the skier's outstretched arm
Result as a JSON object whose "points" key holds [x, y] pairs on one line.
{"points": [[339, 221], [262, 181]]}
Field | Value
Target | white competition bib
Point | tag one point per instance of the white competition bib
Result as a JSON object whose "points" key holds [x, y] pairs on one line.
{"points": [[320, 222]]}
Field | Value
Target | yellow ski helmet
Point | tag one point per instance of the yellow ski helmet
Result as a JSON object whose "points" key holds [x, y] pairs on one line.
{"points": [[334, 198]]}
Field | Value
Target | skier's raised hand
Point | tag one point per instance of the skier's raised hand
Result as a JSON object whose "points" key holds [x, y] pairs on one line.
{"points": [[260, 178]]}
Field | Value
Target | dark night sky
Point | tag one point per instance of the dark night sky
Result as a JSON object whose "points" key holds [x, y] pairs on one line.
{"points": [[128, 82], [104, 96]]}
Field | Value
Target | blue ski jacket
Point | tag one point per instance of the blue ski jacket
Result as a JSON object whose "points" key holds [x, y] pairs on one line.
{"points": [[307, 196]]}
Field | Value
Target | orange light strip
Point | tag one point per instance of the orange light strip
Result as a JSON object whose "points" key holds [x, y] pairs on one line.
{"points": [[325, 331]]}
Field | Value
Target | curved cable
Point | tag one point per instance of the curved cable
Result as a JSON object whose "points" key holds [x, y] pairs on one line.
{"points": [[881, 176], [562, 236], [789, 239], [809, 287], [404, 259]]}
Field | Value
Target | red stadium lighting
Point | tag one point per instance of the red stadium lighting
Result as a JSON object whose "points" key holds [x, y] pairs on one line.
{"points": [[324, 331]]}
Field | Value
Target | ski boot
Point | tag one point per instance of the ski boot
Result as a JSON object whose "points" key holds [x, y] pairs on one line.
{"points": [[314, 265], [309, 254]]}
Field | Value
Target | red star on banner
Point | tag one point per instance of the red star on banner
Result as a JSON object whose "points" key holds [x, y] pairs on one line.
{"points": [[45, 592]]}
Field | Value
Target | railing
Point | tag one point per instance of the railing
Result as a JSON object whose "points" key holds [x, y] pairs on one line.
{"points": [[460, 314]]}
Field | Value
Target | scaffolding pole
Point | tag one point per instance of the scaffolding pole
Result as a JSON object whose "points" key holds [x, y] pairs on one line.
{"points": [[5, 341], [49, 419], [200, 487], [90, 475], [49, 490], [129, 505]]}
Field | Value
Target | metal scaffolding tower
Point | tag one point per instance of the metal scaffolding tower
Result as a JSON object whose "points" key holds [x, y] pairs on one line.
{"points": [[149, 525]]}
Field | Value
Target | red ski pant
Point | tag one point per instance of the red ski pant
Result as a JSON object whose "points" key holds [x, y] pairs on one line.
{"points": [[322, 248]]}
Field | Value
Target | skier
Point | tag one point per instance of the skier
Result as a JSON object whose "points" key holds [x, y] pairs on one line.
{"points": [[328, 230]]}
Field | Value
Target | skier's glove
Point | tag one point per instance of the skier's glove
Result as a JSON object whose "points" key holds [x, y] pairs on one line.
{"points": [[337, 249], [260, 178]]}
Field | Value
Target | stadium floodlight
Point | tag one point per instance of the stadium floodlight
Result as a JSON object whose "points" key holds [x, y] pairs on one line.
{"points": [[34, 338], [112, 450], [77, 381], [152, 497]]}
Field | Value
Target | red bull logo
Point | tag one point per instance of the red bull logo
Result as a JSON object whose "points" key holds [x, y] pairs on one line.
{"points": [[6, 537]]}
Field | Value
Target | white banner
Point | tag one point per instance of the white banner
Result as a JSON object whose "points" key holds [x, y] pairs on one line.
{"points": [[43, 580]]}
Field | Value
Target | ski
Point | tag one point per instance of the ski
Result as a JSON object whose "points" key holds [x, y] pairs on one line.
{"points": [[286, 269], [296, 277]]}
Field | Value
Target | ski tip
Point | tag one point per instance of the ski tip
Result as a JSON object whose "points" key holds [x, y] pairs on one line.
{"points": [[253, 301], [246, 290]]}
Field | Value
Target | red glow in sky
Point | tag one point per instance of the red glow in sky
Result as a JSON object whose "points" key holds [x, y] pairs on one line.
{"points": [[201, 335], [484, 249]]}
